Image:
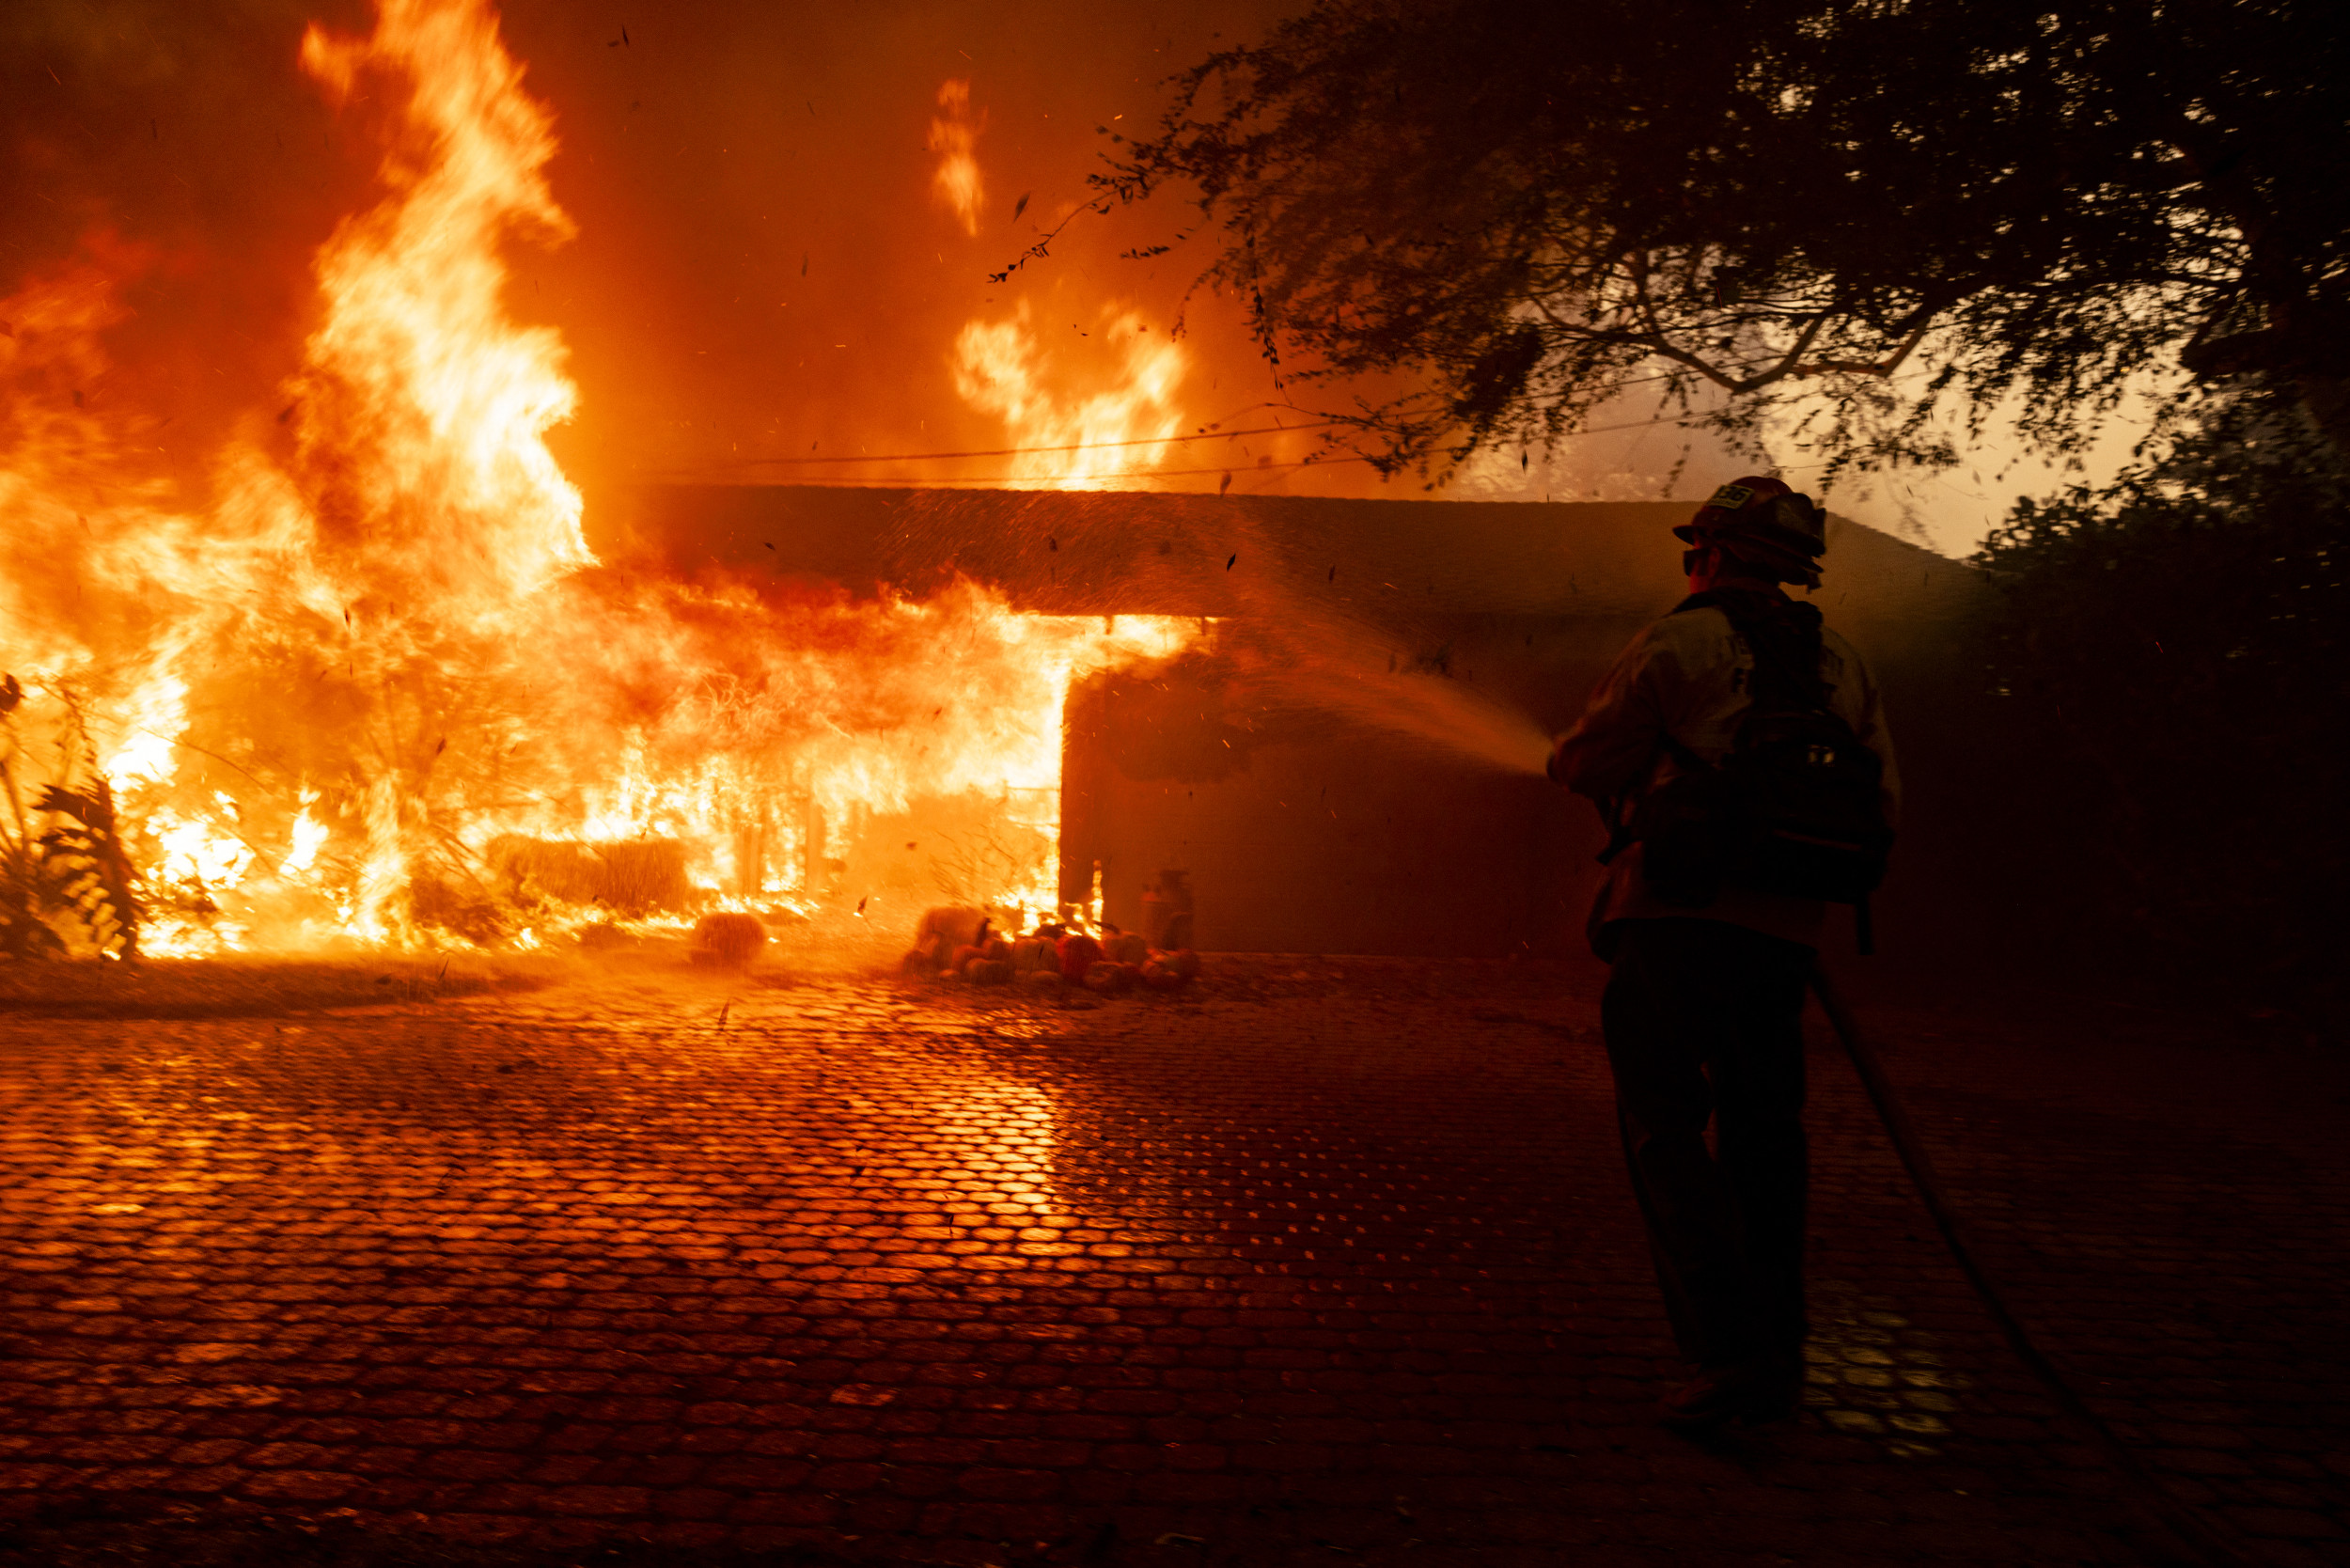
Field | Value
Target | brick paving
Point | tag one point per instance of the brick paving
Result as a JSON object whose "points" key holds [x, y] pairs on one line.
{"points": [[1330, 1260]]}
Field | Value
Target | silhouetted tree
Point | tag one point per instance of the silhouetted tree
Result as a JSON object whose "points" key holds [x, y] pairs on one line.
{"points": [[1527, 209], [2182, 641]]}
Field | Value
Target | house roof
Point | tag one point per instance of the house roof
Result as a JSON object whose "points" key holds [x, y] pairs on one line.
{"points": [[1125, 552]]}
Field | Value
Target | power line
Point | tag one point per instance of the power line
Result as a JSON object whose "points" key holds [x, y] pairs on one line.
{"points": [[1141, 440], [1019, 451], [1061, 479]]}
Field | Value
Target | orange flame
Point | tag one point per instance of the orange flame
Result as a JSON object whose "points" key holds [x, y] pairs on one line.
{"points": [[415, 358], [378, 688], [955, 137], [1127, 396]]}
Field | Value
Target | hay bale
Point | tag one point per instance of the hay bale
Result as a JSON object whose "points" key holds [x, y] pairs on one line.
{"points": [[1042, 979], [1031, 953], [1159, 977], [956, 926], [728, 939], [634, 877], [645, 874], [1128, 947], [987, 971], [557, 870]]}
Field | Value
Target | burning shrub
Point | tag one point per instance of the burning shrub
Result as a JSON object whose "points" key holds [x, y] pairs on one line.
{"points": [[74, 872], [83, 865]]}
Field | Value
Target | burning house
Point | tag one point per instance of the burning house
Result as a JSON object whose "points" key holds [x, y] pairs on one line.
{"points": [[1341, 746], [376, 677]]}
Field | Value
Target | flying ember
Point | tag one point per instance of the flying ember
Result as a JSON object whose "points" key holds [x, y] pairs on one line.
{"points": [[375, 687]]}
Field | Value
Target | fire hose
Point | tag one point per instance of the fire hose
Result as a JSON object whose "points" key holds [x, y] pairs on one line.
{"points": [[2198, 1534]]}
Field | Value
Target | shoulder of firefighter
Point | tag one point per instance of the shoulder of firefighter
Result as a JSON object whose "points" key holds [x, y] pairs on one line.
{"points": [[1689, 677]]}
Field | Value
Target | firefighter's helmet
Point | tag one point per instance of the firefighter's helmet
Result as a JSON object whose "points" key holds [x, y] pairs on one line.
{"points": [[1764, 525]]}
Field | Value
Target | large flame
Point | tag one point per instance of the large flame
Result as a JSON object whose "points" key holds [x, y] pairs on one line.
{"points": [[1107, 430], [376, 688], [419, 391], [1089, 414]]}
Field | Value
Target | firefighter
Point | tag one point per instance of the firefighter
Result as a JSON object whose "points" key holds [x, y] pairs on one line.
{"points": [[1703, 1011]]}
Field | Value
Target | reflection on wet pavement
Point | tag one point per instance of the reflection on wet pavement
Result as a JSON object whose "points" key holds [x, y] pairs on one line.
{"points": [[1330, 1260]]}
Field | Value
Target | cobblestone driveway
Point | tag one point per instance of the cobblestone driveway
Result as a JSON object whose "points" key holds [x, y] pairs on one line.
{"points": [[1330, 1262]]}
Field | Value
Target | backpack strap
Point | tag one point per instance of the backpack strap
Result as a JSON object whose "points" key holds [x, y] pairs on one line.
{"points": [[1784, 634]]}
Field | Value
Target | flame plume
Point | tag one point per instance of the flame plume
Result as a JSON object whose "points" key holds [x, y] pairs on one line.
{"points": [[955, 137], [378, 689], [419, 393], [1129, 396]]}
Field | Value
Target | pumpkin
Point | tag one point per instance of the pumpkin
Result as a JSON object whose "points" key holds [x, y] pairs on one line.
{"points": [[1110, 977], [1078, 953]]}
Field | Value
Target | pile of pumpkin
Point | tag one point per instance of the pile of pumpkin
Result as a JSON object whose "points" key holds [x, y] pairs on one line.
{"points": [[963, 943]]}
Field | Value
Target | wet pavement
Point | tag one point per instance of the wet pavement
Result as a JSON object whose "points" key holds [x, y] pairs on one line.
{"points": [[1330, 1260]]}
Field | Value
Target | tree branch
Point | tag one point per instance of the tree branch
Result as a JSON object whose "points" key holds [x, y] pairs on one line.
{"points": [[1790, 364], [1864, 368]]}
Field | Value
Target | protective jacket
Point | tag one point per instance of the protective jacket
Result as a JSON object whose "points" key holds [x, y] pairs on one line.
{"points": [[1690, 676]]}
